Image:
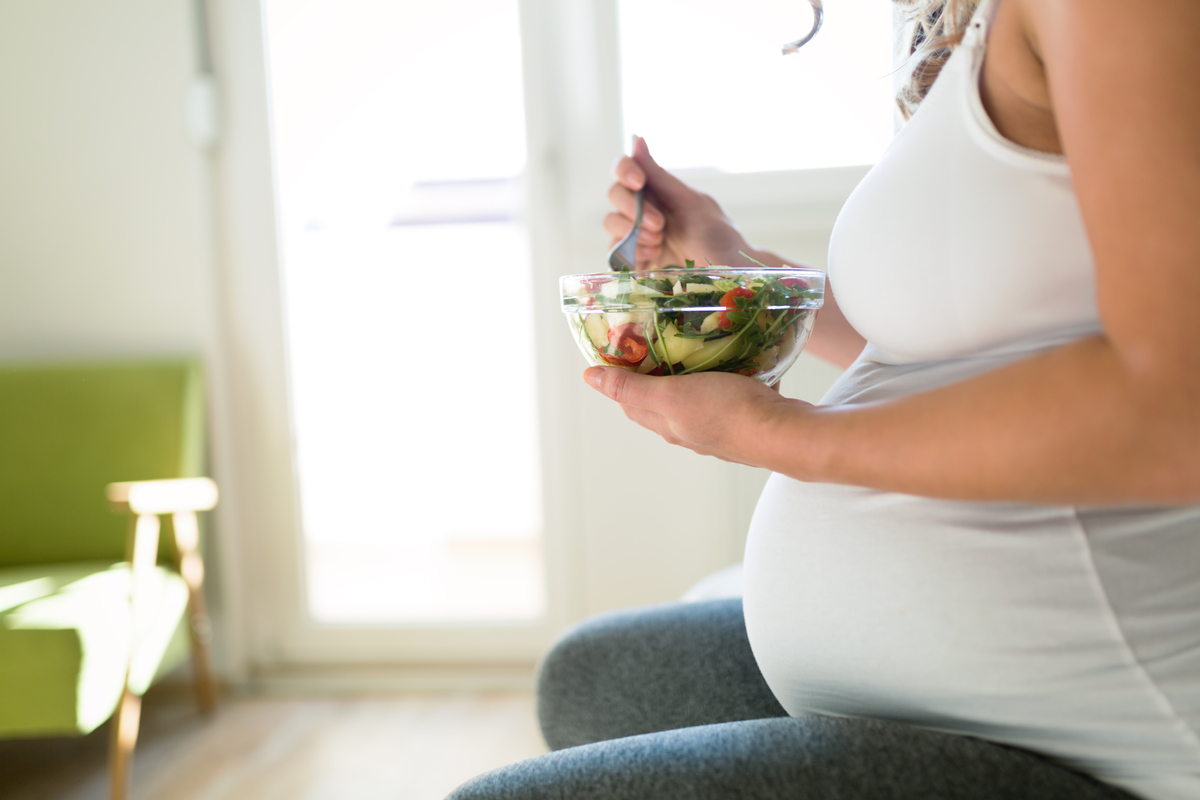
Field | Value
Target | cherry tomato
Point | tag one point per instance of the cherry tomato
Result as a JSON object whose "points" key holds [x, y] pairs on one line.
{"points": [[729, 300], [626, 346]]}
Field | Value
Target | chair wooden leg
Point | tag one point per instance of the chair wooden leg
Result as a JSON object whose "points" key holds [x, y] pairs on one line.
{"points": [[120, 748], [191, 567], [141, 551]]}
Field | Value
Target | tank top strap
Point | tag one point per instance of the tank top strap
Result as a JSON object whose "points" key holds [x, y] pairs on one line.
{"points": [[976, 32], [965, 75]]}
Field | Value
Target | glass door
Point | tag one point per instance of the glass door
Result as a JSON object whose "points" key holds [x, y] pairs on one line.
{"points": [[399, 134]]}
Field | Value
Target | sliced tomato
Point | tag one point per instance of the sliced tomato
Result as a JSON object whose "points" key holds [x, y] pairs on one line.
{"points": [[729, 300], [795, 283], [592, 285], [627, 346]]}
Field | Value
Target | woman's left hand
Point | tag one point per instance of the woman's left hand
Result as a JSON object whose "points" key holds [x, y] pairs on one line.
{"points": [[711, 413]]}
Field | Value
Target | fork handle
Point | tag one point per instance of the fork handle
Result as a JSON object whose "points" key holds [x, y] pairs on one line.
{"points": [[640, 196]]}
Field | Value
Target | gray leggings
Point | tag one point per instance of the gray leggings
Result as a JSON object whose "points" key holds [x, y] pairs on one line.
{"points": [[667, 703]]}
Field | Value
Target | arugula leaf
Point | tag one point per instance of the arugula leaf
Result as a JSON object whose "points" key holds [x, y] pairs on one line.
{"points": [[624, 287], [755, 260], [666, 359]]}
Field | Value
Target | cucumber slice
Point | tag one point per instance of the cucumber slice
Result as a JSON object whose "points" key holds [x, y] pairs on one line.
{"points": [[714, 352], [675, 348], [597, 330]]}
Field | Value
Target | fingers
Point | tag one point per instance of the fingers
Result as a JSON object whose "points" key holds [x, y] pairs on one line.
{"points": [[623, 200], [632, 391], [640, 169], [661, 425], [666, 186], [617, 225], [629, 173]]}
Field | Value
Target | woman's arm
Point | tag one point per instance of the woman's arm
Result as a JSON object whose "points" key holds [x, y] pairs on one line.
{"points": [[679, 223], [1111, 419]]}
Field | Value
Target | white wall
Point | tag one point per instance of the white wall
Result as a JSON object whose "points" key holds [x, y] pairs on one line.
{"points": [[104, 242], [106, 245]]}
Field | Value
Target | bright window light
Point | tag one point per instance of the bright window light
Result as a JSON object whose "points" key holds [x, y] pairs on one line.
{"points": [[400, 144], [704, 81]]}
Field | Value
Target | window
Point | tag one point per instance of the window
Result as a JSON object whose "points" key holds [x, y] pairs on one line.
{"points": [[705, 82], [400, 144]]}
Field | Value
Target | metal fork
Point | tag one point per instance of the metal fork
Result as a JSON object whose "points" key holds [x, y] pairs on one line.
{"points": [[624, 255]]}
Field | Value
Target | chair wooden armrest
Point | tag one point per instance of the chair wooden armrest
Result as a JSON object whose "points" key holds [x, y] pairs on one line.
{"points": [[163, 497]]}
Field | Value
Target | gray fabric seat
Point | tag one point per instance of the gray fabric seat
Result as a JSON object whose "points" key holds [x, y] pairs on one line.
{"points": [[667, 702]]}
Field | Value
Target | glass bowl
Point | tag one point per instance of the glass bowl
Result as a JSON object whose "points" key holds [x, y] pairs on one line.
{"points": [[752, 321]]}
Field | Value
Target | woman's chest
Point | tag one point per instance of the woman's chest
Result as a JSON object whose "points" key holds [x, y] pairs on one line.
{"points": [[959, 241]]}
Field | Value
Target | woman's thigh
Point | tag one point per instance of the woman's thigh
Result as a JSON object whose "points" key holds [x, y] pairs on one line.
{"points": [[651, 669], [804, 758]]}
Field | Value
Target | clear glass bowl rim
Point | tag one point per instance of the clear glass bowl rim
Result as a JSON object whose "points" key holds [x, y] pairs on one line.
{"points": [[786, 272], [799, 272]]}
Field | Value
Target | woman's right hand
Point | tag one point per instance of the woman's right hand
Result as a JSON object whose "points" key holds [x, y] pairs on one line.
{"points": [[678, 222]]}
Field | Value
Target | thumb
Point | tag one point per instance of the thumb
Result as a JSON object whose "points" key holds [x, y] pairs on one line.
{"points": [[627, 388], [666, 186]]}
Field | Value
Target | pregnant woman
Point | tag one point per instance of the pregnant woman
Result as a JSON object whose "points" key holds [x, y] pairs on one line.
{"points": [[988, 533]]}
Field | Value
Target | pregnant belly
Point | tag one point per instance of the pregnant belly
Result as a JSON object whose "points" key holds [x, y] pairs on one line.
{"points": [[973, 617]]}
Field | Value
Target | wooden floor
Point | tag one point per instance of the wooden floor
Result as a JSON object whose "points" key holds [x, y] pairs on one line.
{"points": [[400, 747]]}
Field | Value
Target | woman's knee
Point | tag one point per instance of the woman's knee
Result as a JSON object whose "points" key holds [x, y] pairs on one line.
{"points": [[650, 669], [573, 681]]}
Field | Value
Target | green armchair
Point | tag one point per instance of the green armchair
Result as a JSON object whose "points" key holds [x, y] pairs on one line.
{"points": [[88, 618]]}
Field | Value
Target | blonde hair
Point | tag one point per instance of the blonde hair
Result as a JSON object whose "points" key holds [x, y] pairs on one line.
{"points": [[938, 27]]}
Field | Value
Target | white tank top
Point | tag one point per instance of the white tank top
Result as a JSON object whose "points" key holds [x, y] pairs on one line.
{"points": [[1074, 632], [960, 242]]}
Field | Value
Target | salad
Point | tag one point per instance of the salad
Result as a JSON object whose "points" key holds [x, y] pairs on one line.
{"points": [[681, 320]]}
